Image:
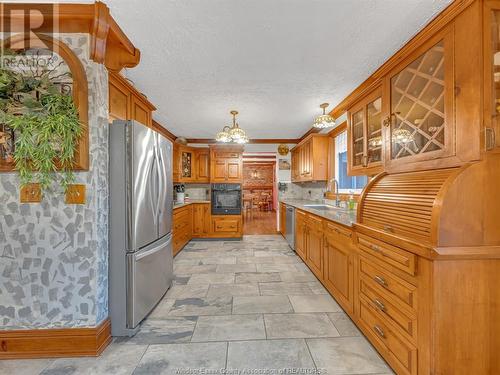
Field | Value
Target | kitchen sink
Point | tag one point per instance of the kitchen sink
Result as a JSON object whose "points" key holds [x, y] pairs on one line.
{"points": [[322, 207]]}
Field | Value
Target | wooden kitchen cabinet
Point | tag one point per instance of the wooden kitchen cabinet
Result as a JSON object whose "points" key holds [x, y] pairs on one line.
{"points": [[226, 164], [365, 141], [282, 219], [227, 226], [126, 103], [182, 227], [314, 245], [339, 264], [201, 219], [300, 234], [191, 164], [310, 159]]}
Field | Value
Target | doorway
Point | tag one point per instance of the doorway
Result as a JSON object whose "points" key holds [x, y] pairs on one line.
{"points": [[259, 197]]}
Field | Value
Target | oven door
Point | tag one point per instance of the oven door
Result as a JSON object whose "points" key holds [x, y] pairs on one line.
{"points": [[226, 200]]}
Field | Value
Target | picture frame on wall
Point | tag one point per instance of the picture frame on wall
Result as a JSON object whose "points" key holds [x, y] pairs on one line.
{"points": [[284, 165]]}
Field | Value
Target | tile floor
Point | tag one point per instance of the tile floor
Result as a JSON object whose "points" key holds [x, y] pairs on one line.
{"points": [[248, 305]]}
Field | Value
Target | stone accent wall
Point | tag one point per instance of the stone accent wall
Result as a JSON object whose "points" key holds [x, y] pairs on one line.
{"points": [[53, 256]]}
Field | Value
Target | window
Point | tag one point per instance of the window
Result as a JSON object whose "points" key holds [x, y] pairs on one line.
{"points": [[347, 184]]}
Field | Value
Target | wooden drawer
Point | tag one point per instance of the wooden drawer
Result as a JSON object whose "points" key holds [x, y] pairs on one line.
{"points": [[392, 255], [226, 224], [403, 323], [337, 232], [227, 154], [180, 239], [181, 218], [387, 284], [400, 353]]}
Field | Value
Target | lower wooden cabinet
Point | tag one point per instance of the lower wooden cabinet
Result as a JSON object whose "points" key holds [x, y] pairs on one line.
{"points": [[300, 234], [227, 226], [339, 267], [182, 228], [201, 219], [282, 219], [314, 245]]}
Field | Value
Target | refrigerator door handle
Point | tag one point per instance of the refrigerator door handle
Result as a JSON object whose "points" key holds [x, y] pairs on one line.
{"points": [[161, 182], [147, 253], [151, 189]]}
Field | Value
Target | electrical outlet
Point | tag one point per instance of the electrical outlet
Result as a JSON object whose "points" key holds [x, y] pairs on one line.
{"points": [[30, 193], [75, 194]]}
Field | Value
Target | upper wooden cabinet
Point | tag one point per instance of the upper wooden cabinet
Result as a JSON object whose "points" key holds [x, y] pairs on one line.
{"points": [[126, 103], [424, 108], [310, 159], [191, 164], [226, 164], [492, 75], [365, 135]]}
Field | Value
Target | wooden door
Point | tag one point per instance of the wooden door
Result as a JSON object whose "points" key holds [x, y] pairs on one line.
{"points": [[202, 166], [307, 172], [282, 219], [418, 100], [295, 165], [314, 247], [356, 139], [234, 170], [338, 275], [119, 100], [198, 219], [300, 234], [219, 170], [140, 112]]}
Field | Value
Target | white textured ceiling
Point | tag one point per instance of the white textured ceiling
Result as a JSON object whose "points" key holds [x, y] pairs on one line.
{"points": [[273, 60]]}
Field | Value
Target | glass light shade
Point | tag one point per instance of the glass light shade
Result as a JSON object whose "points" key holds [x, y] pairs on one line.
{"points": [[324, 121], [223, 136], [402, 136], [236, 133], [375, 141], [241, 140]]}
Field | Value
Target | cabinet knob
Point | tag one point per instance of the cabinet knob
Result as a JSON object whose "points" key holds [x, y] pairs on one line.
{"points": [[388, 120]]}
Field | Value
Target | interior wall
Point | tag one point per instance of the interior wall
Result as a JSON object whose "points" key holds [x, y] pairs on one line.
{"points": [[54, 256]]}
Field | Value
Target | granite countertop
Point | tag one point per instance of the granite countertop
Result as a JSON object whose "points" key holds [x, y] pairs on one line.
{"points": [[179, 205], [341, 216]]}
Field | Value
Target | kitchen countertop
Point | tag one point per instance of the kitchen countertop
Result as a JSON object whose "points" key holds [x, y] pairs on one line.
{"points": [[179, 205], [341, 216]]}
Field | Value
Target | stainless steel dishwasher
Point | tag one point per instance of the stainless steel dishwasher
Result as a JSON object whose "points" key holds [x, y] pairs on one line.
{"points": [[290, 226]]}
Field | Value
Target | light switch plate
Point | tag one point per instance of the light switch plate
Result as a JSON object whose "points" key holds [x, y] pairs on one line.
{"points": [[75, 194], [30, 193]]}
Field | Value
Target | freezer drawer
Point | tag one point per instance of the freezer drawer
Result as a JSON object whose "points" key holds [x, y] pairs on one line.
{"points": [[150, 274]]}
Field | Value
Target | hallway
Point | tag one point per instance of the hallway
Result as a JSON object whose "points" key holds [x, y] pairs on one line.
{"points": [[237, 305], [259, 222]]}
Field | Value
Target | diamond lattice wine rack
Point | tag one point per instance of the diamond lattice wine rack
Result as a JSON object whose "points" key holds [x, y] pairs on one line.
{"points": [[417, 105]]}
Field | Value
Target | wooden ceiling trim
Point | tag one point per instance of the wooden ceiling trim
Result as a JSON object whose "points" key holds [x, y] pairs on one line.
{"points": [[163, 131], [252, 141], [435, 25], [109, 44]]}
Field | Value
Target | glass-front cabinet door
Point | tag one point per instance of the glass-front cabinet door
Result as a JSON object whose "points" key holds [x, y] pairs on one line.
{"points": [[365, 138], [492, 75], [419, 117]]}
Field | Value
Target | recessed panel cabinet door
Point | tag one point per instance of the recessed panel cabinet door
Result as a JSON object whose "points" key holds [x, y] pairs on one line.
{"points": [[219, 170], [203, 166], [300, 234], [338, 277], [233, 170], [315, 246]]}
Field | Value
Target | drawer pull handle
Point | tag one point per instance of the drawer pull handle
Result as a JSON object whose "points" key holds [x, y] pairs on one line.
{"points": [[379, 331], [388, 228], [381, 281], [379, 305], [378, 249]]}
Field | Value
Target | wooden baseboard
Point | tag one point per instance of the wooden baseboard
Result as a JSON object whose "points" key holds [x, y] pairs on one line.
{"points": [[54, 343]]}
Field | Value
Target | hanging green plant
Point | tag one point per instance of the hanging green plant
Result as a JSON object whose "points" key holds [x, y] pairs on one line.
{"points": [[46, 125]]}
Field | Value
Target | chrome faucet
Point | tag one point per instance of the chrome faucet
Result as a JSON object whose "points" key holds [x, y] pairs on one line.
{"points": [[336, 185]]}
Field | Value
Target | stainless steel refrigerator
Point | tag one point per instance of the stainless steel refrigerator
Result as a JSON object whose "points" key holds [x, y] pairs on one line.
{"points": [[141, 198]]}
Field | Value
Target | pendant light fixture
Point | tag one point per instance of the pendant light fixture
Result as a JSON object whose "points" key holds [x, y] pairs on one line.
{"points": [[232, 134], [324, 121]]}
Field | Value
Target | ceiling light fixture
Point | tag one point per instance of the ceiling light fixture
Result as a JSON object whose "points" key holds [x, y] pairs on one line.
{"points": [[324, 121], [232, 134]]}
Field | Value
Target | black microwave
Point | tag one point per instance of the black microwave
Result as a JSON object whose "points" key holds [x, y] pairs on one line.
{"points": [[226, 199]]}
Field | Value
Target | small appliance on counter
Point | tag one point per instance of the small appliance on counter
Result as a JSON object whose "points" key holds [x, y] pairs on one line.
{"points": [[180, 194], [226, 199]]}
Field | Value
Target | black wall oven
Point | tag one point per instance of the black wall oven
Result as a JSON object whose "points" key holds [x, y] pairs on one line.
{"points": [[226, 199]]}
